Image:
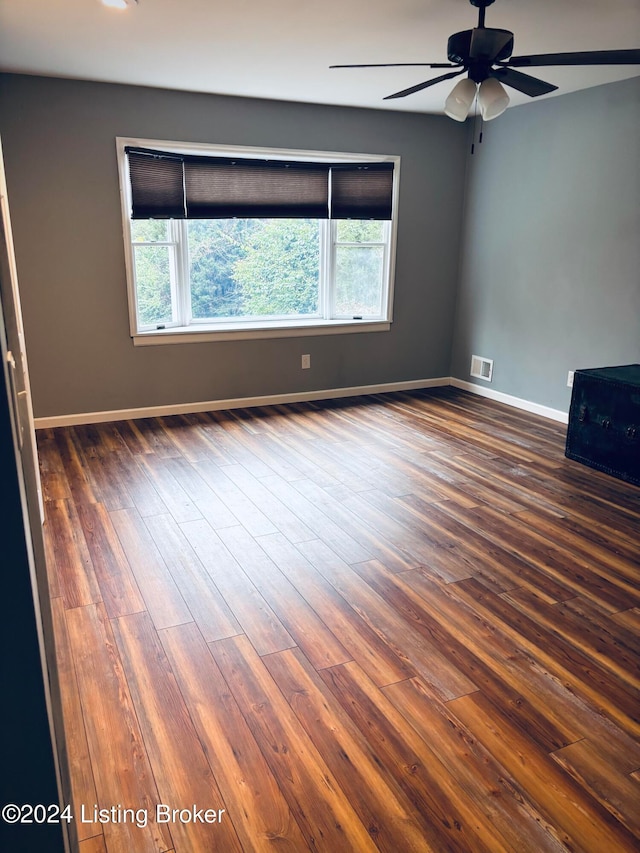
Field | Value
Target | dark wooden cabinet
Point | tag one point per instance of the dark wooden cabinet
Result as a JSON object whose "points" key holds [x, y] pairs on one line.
{"points": [[604, 420]]}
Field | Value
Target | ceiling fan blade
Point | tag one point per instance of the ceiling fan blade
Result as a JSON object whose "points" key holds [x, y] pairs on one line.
{"points": [[585, 57], [487, 44], [424, 85], [522, 82], [400, 64]]}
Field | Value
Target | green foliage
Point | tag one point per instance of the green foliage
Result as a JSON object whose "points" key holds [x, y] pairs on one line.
{"points": [[359, 231], [257, 267], [358, 279], [215, 247], [153, 284], [149, 230], [152, 267], [358, 267], [279, 272]]}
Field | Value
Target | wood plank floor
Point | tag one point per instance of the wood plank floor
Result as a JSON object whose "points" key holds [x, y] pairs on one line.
{"points": [[398, 623]]}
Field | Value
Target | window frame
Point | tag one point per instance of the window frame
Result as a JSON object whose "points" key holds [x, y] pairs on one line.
{"points": [[197, 330]]}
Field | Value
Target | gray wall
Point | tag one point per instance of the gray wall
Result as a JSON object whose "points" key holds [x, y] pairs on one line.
{"points": [[58, 139], [550, 263], [548, 248]]}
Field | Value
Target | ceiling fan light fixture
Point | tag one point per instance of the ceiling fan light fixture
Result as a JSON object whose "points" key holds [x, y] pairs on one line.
{"points": [[486, 54], [119, 4], [459, 102], [492, 98]]}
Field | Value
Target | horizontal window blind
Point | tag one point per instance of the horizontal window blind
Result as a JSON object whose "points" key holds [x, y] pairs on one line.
{"points": [[157, 185], [264, 189], [174, 186], [361, 191]]}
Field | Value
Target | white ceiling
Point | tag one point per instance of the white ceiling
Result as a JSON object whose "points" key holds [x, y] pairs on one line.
{"points": [[281, 49]]}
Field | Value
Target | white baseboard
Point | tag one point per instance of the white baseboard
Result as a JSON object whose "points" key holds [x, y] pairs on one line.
{"points": [[297, 397], [516, 402], [235, 403]]}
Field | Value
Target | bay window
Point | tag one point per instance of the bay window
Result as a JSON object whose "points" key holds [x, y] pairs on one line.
{"points": [[223, 243]]}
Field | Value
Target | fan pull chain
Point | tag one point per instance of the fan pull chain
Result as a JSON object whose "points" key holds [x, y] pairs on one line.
{"points": [[475, 121], [475, 125]]}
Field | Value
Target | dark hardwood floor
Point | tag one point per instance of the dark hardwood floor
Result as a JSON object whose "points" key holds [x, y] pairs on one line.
{"points": [[401, 622]]}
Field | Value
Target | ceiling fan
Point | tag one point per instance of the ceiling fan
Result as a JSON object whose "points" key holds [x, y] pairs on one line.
{"points": [[485, 53]]}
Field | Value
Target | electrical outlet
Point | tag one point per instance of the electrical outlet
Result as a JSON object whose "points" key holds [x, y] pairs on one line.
{"points": [[570, 379], [305, 362]]}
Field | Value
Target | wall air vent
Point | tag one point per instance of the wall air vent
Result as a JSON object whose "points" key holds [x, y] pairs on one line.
{"points": [[482, 368]]}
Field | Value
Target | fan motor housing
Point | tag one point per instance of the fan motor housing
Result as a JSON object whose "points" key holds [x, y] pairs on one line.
{"points": [[459, 45]]}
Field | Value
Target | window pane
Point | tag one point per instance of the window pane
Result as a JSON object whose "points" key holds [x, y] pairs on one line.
{"points": [[360, 231], [254, 267], [148, 230], [359, 280], [153, 284], [214, 247]]}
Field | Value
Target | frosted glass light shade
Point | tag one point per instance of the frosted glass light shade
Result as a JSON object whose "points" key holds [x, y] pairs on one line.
{"points": [[118, 4], [459, 102], [492, 98]]}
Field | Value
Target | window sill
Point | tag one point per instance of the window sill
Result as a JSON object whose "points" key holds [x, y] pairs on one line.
{"points": [[253, 331]]}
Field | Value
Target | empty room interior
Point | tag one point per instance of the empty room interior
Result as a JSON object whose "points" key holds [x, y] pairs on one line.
{"points": [[299, 553]]}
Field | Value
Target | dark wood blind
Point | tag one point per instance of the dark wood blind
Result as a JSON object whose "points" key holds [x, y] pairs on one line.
{"points": [[175, 186], [361, 191]]}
